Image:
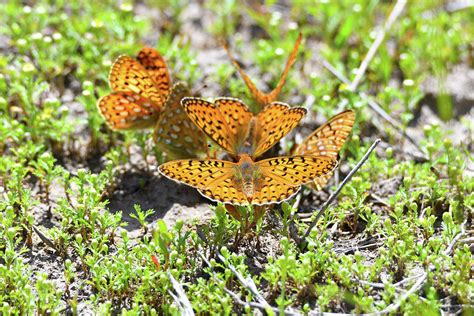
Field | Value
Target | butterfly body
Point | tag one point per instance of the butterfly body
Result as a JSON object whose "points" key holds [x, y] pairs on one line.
{"points": [[247, 176]]}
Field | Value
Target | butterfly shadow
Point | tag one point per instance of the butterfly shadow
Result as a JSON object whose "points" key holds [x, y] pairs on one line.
{"points": [[170, 201]]}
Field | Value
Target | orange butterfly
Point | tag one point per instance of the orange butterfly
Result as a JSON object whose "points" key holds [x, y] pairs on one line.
{"points": [[231, 124], [247, 182], [259, 96], [140, 87], [174, 133], [327, 141], [143, 98]]}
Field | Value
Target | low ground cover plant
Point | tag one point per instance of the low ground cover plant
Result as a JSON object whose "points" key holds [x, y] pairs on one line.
{"points": [[89, 225]]}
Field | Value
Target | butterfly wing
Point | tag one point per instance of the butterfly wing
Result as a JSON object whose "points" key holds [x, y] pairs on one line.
{"points": [[262, 98], [237, 117], [128, 75], [274, 122], [225, 191], [272, 96], [174, 132], [272, 190], [282, 177], [127, 110], [155, 66], [221, 128], [213, 178], [328, 140]]}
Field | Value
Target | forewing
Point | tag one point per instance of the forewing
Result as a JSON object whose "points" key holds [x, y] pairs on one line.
{"points": [[127, 110], [328, 140], [273, 96], [156, 68], [237, 117], [128, 75], [212, 122], [213, 178], [175, 134], [274, 122]]}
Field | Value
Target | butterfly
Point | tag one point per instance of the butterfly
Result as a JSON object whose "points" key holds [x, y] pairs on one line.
{"points": [[327, 140], [140, 89], [259, 96], [143, 97], [174, 133], [231, 124], [247, 182]]}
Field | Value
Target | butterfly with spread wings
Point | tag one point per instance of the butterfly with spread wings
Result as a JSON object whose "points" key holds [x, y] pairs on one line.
{"points": [[231, 124], [144, 97], [246, 136], [247, 182]]}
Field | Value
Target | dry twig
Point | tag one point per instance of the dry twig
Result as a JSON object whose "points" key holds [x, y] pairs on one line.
{"points": [[180, 298], [247, 282], [372, 104], [265, 308]]}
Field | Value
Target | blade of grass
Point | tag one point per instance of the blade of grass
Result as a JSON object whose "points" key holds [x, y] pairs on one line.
{"points": [[397, 10]]}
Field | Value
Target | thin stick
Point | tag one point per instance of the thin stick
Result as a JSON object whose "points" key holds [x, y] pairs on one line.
{"points": [[453, 242], [45, 239], [381, 112], [343, 183], [357, 248], [450, 7], [380, 200], [467, 240], [459, 5], [394, 307], [372, 104], [180, 298], [264, 308], [248, 283], [397, 10], [408, 279], [326, 64]]}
